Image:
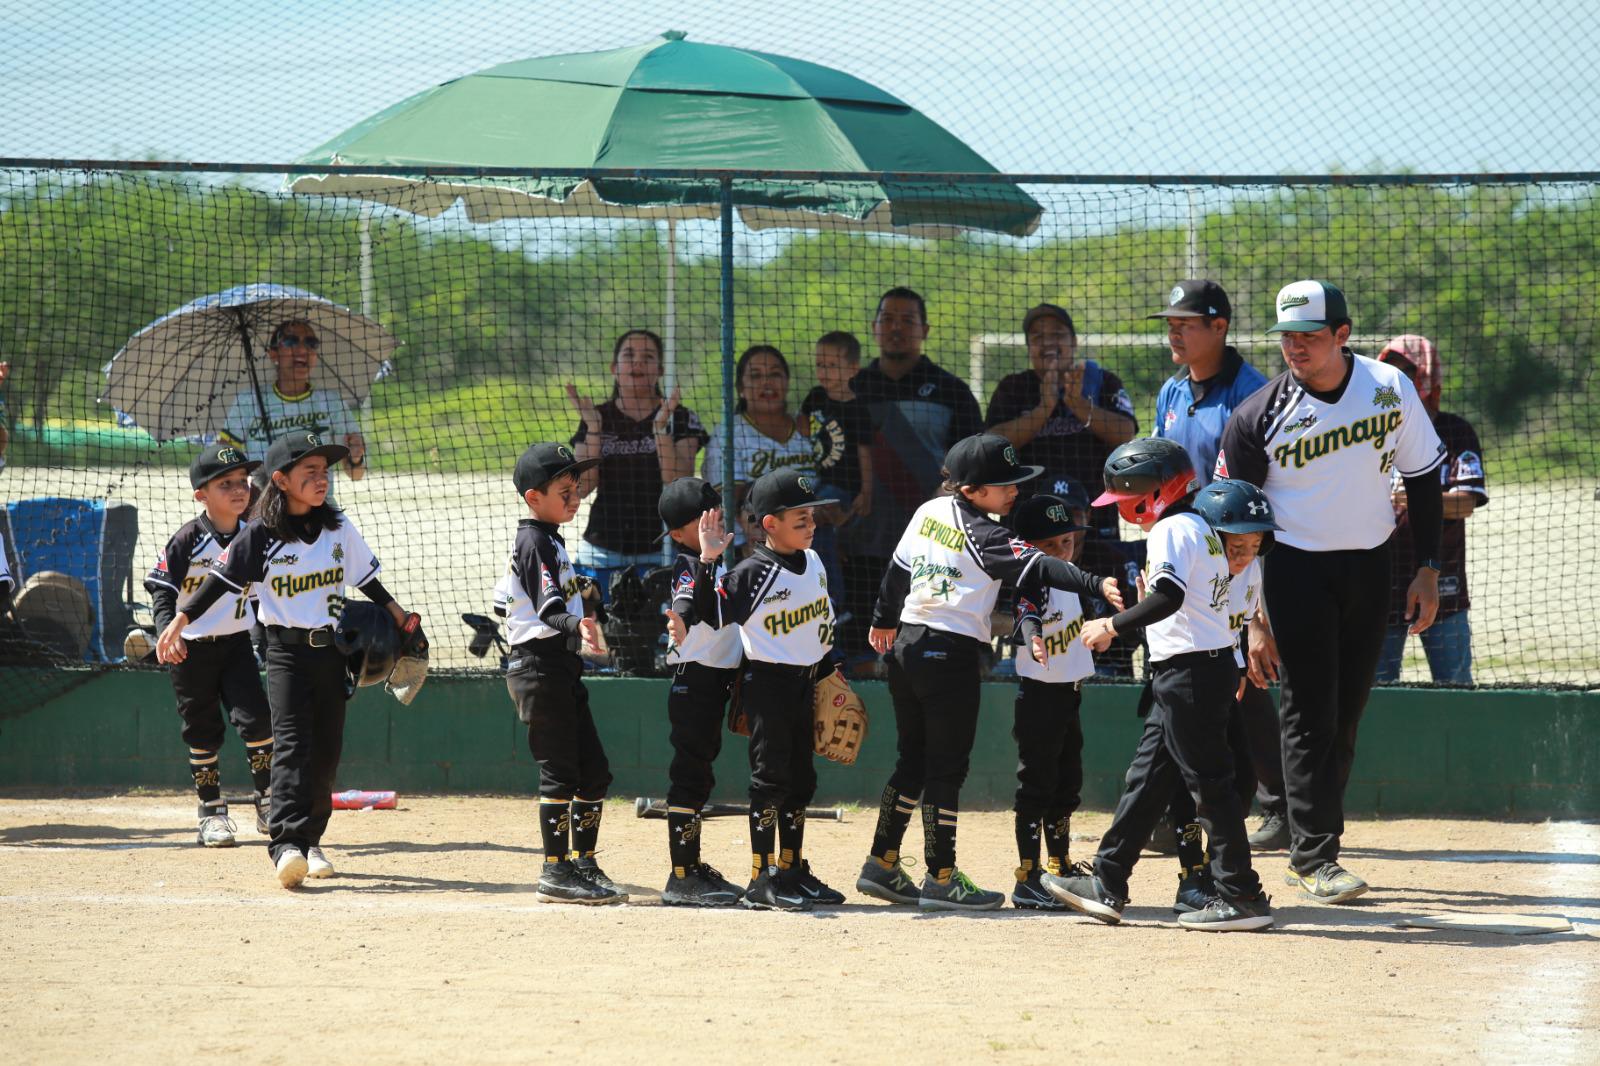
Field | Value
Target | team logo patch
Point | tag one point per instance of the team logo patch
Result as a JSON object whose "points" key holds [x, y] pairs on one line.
{"points": [[1171, 420], [1175, 295], [338, 553], [313, 440], [1011, 455], [804, 483], [1222, 464], [1386, 396], [1295, 300], [1306, 422], [1259, 507], [926, 390], [229, 456], [1019, 547]]}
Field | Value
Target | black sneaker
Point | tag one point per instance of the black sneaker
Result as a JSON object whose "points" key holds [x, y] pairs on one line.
{"points": [[560, 882], [1221, 915], [1272, 834], [1085, 894], [775, 890], [1030, 895], [892, 885], [811, 885], [1194, 892], [957, 894], [590, 871], [263, 806], [700, 886]]}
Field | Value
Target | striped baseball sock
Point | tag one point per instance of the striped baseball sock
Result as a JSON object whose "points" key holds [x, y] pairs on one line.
{"points": [[555, 821]]}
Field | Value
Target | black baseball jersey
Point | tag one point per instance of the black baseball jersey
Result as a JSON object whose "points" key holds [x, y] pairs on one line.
{"points": [[183, 564], [1461, 472], [539, 585], [780, 603], [837, 428], [299, 584]]}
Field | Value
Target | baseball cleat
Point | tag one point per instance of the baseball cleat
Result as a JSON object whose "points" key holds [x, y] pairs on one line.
{"points": [[1328, 883], [957, 894], [820, 894], [216, 831], [775, 890], [891, 885], [263, 805], [1084, 893], [700, 886], [560, 882], [291, 868], [590, 871], [1030, 895], [1194, 892], [1221, 915], [317, 864], [1272, 834]]}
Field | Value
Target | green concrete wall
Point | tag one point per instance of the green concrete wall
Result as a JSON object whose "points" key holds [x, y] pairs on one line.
{"points": [[1486, 753]]}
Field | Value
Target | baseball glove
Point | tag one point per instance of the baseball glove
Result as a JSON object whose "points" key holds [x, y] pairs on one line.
{"points": [[840, 720]]}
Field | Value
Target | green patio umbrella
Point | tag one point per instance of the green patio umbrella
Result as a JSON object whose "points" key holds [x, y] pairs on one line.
{"points": [[673, 104]]}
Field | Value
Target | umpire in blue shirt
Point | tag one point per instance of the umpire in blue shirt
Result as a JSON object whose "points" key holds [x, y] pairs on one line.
{"points": [[1191, 408]]}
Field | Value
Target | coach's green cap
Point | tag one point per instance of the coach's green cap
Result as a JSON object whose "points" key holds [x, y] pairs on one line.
{"points": [[1307, 306]]}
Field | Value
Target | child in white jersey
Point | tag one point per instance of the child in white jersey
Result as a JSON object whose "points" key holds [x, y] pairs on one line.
{"points": [[1194, 678], [1051, 666], [301, 554]]}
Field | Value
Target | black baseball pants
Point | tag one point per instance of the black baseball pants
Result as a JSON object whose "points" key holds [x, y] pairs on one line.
{"points": [[1049, 734], [777, 702], [218, 672], [1184, 744], [697, 703], [933, 680], [307, 694], [1327, 611], [552, 702]]}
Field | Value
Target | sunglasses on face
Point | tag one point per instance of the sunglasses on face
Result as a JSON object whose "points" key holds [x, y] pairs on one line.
{"points": [[310, 344]]}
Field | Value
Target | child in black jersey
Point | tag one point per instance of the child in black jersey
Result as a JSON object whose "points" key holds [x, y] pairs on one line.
{"points": [[779, 598], [300, 554], [705, 661], [543, 608], [221, 665]]}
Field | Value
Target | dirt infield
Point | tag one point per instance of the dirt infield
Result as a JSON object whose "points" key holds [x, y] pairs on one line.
{"points": [[123, 940]]}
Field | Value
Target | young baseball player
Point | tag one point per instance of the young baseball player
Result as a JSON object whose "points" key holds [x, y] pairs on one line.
{"points": [[1185, 740], [932, 620], [1051, 666], [221, 664], [778, 596], [705, 661], [300, 554], [540, 600], [1242, 516]]}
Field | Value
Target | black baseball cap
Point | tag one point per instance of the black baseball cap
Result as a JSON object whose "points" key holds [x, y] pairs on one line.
{"points": [[1047, 311], [298, 444], [1196, 298], [987, 459], [685, 500], [1042, 517], [543, 463], [783, 490], [1072, 493], [216, 460]]}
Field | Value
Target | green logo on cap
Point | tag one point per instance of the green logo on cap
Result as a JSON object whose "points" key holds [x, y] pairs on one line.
{"points": [[804, 483], [1298, 300], [1011, 455], [313, 440], [563, 451], [1056, 513], [229, 456]]}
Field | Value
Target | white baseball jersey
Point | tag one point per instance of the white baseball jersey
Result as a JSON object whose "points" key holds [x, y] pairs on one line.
{"points": [[1244, 596], [1060, 622], [298, 584], [539, 580], [704, 643], [1184, 550], [1325, 461], [958, 557], [755, 453], [183, 564], [322, 411], [784, 615]]}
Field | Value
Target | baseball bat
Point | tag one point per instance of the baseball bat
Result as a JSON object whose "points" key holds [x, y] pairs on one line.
{"points": [[644, 807]]}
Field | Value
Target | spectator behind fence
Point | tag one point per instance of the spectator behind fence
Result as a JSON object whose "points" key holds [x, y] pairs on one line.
{"points": [[293, 403], [1448, 642], [1062, 414], [840, 430], [765, 434], [917, 412], [643, 442]]}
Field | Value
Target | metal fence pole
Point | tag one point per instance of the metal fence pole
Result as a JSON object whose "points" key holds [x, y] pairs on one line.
{"points": [[730, 512]]}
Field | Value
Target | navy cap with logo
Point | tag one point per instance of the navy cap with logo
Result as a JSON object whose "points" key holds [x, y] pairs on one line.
{"points": [[543, 463], [1196, 298], [784, 490], [1043, 311], [1042, 517], [685, 500], [1307, 306], [298, 444], [986, 459], [216, 460]]}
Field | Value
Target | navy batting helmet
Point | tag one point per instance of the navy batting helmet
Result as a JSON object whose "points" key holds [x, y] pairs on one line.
{"points": [[1232, 506], [369, 640]]}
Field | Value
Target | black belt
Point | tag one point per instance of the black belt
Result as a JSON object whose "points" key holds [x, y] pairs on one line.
{"points": [[1189, 657], [321, 637], [815, 670], [245, 633]]}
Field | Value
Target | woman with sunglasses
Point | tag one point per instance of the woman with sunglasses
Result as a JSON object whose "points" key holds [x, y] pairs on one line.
{"points": [[294, 403]]}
